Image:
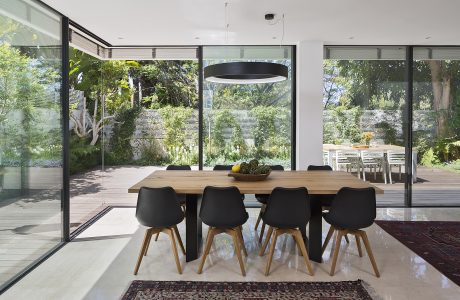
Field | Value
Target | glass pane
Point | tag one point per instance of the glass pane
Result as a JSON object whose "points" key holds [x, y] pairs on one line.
{"points": [[85, 100], [364, 127], [129, 118], [30, 135], [246, 121], [436, 126]]}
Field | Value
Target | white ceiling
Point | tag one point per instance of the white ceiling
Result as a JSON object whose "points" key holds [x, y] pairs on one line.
{"points": [[201, 22]]}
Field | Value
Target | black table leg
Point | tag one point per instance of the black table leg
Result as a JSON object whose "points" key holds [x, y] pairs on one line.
{"points": [[315, 232], [193, 232]]}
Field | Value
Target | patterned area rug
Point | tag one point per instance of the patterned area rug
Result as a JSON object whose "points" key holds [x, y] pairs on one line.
{"points": [[142, 290], [436, 242]]}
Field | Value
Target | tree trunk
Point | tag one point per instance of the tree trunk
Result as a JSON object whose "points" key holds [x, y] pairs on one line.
{"points": [[442, 97]]}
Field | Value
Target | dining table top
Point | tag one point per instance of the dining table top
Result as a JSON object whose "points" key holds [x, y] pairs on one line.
{"points": [[194, 182], [374, 147]]}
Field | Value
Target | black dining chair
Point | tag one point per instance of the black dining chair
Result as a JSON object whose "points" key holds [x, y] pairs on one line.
{"points": [[288, 210], [351, 210], [160, 211], [222, 209], [222, 167], [325, 200], [262, 199], [180, 197]]}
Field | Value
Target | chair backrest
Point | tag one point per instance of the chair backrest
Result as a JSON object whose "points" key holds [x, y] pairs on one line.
{"points": [[222, 207], [222, 167], [158, 207], [396, 157], [353, 208], [179, 167], [277, 168], [372, 156], [287, 208], [319, 168], [326, 157]]}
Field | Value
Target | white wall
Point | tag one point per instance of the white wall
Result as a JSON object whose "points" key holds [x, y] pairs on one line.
{"points": [[309, 135]]}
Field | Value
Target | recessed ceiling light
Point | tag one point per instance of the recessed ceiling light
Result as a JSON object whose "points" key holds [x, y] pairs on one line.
{"points": [[351, 37], [428, 37], [197, 38], [120, 38], [274, 37]]}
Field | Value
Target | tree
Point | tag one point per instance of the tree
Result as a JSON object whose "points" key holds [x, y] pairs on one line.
{"points": [[105, 86], [169, 83]]}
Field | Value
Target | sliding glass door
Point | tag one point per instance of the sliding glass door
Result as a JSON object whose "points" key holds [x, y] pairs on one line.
{"points": [[31, 157], [364, 116], [436, 126], [246, 121]]}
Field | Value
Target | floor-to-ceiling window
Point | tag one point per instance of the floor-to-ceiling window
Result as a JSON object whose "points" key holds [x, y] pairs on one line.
{"points": [[129, 116], [30, 135], [364, 124], [245, 121], [436, 125]]}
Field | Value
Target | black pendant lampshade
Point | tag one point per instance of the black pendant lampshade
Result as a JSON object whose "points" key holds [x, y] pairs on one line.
{"points": [[246, 72]]}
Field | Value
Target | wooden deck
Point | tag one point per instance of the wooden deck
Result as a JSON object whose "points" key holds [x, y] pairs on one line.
{"points": [[30, 225]]}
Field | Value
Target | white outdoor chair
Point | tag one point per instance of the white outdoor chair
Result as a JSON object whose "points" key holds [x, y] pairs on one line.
{"points": [[349, 159], [326, 157], [395, 158], [373, 160]]}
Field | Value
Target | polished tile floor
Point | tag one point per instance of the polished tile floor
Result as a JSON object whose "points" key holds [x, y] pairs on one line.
{"points": [[99, 263]]}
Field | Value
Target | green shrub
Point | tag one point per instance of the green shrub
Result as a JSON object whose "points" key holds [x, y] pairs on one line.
{"points": [[180, 144], [83, 156], [389, 133], [429, 158], [120, 150]]}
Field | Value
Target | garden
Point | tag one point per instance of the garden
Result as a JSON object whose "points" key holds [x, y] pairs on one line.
{"points": [[369, 96], [146, 113]]}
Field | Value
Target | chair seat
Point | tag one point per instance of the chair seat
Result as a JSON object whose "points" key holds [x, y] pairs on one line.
{"points": [[340, 225], [235, 223]]}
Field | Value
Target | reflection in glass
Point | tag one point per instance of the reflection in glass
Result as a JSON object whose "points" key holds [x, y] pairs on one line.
{"points": [[245, 121], [364, 128], [30, 135], [436, 125]]}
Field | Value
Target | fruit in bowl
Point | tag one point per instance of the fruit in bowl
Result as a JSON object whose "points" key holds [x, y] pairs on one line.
{"points": [[250, 171], [252, 167]]}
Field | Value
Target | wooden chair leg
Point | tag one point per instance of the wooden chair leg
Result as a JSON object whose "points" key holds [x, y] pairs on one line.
{"points": [[369, 252], [346, 239], [258, 219], [262, 232], [176, 231], [236, 244], [358, 244], [272, 251], [241, 239], [267, 239], [170, 232], [148, 243], [300, 243], [328, 238], [209, 241], [156, 238], [336, 251], [141, 253]]}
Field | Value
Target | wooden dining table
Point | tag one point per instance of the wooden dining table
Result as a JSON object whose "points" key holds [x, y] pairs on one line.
{"points": [[192, 184]]}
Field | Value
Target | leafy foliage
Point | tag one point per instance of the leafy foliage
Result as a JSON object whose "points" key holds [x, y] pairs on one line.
{"points": [[174, 121], [120, 150]]}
